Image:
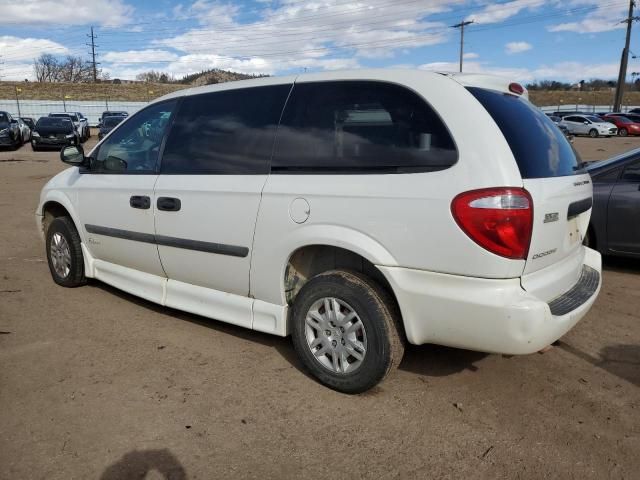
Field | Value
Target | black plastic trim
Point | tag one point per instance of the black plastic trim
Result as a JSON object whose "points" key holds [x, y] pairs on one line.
{"points": [[186, 244], [576, 208], [578, 294]]}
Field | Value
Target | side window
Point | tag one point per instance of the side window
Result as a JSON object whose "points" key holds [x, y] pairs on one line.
{"points": [[571, 119], [134, 147], [359, 125], [631, 173], [225, 133]]}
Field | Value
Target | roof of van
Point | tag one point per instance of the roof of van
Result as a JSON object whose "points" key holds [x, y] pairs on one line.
{"points": [[491, 82]]}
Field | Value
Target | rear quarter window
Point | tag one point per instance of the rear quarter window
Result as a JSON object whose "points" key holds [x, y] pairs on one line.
{"points": [[539, 147], [360, 127]]}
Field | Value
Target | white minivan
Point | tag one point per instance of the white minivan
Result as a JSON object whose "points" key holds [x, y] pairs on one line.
{"points": [[354, 211]]}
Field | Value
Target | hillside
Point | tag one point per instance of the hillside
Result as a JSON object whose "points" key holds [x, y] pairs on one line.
{"points": [[132, 92], [148, 91]]}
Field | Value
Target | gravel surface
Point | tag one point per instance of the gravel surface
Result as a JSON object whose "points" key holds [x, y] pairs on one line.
{"points": [[95, 383]]}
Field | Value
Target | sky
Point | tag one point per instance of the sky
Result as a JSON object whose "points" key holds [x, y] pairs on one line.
{"points": [[526, 40]]}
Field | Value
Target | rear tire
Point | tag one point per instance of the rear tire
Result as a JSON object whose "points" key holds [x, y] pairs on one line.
{"points": [[346, 330], [64, 253], [593, 133], [623, 132]]}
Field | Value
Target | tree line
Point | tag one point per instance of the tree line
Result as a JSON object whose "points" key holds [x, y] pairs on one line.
{"points": [[49, 68]]}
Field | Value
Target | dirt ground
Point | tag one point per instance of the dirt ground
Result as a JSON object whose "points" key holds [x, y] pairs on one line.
{"points": [[95, 383]]}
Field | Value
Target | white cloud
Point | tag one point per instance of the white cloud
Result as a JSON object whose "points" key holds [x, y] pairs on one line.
{"points": [[605, 17], [470, 55], [565, 71], [65, 12], [290, 33], [15, 49], [517, 47], [139, 56], [499, 12]]}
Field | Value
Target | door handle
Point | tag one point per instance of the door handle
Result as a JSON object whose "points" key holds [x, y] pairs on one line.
{"points": [[168, 204], [140, 201]]}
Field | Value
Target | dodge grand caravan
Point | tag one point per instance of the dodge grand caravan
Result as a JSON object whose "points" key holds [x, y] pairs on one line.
{"points": [[354, 211]]}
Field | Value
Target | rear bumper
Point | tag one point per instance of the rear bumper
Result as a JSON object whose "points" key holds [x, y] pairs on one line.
{"points": [[489, 315]]}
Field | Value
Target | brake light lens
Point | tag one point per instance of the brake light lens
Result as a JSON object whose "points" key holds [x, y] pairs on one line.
{"points": [[498, 219], [516, 88]]}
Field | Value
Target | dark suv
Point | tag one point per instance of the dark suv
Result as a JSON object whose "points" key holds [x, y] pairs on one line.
{"points": [[54, 132], [9, 131]]}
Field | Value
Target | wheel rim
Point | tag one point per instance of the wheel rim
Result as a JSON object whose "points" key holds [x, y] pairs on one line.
{"points": [[335, 335], [623, 133], [60, 255]]}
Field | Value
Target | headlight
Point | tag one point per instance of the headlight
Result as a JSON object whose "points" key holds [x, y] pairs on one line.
{"points": [[4, 131], [71, 135], [36, 134]]}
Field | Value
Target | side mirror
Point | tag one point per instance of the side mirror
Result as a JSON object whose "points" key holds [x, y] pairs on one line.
{"points": [[73, 155], [586, 123]]}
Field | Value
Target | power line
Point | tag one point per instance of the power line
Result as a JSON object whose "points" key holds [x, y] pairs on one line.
{"points": [[93, 54]]}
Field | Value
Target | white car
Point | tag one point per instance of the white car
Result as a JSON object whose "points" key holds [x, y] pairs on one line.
{"points": [[354, 211], [591, 125]]}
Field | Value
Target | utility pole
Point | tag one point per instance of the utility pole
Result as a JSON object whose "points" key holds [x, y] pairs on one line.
{"points": [[461, 26], [93, 55], [624, 60]]}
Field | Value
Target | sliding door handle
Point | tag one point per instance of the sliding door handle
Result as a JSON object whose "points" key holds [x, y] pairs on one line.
{"points": [[168, 204], [140, 201]]}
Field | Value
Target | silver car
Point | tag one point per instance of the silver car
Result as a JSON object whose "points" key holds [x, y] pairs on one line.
{"points": [[589, 125]]}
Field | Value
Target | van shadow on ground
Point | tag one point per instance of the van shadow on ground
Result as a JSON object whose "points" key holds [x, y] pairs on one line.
{"points": [[623, 361], [426, 360]]}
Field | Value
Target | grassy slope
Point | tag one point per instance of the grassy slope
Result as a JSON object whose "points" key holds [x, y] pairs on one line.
{"points": [[144, 92]]}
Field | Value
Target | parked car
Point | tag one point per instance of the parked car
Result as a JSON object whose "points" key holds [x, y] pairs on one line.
{"points": [[29, 122], [631, 116], [108, 124], [615, 227], [589, 125], [111, 113], [85, 122], [625, 125], [563, 128], [353, 211], [635, 110], [574, 112], [25, 131], [54, 132], [9, 131], [81, 126]]}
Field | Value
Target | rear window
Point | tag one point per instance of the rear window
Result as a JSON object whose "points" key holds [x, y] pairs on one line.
{"points": [[58, 122], [539, 147]]}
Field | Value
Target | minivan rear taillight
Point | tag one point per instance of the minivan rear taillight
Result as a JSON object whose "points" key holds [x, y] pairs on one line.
{"points": [[498, 219]]}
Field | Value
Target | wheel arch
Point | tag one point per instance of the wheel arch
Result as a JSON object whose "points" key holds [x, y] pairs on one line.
{"points": [[308, 261], [56, 205]]}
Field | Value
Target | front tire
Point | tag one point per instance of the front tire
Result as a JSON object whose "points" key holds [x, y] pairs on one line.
{"points": [[64, 253], [593, 133], [623, 132], [346, 330]]}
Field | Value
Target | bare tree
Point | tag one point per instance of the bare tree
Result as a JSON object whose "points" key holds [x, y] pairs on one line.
{"points": [[48, 68]]}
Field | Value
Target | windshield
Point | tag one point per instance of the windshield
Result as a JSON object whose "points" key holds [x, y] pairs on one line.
{"points": [[4, 120], [624, 120], [540, 153], [64, 115], [58, 122]]}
